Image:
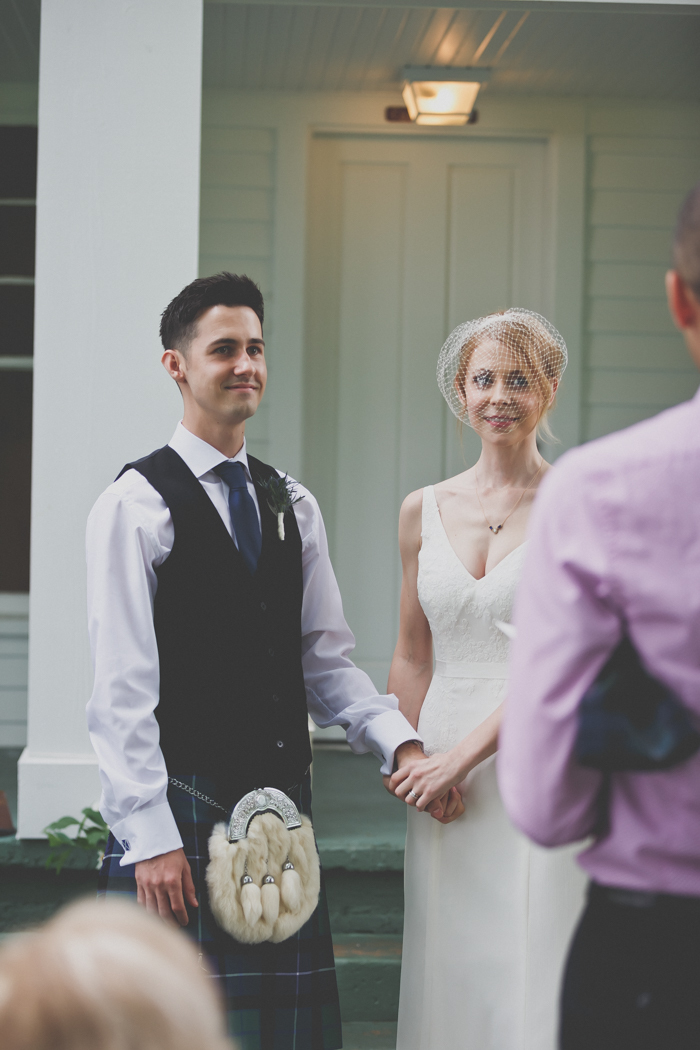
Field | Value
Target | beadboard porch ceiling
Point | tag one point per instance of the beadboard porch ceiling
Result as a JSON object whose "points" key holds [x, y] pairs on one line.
{"points": [[556, 47], [319, 47]]}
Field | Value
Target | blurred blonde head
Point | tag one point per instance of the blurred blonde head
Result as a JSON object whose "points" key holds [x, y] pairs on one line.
{"points": [[106, 976]]}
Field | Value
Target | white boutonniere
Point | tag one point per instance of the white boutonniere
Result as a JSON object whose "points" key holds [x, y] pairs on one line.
{"points": [[280, 495]]}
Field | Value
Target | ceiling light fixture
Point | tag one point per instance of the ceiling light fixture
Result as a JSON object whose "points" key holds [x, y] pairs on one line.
{"points": [[438, 95]]}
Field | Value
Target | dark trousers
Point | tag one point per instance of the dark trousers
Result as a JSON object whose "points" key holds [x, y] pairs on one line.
{"points": [[632, 979]]}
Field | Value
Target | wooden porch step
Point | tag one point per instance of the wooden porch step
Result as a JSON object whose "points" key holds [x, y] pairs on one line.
{"points": [[367, 1035], [368, 967]]}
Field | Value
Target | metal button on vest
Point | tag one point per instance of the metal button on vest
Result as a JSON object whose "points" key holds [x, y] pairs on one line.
{"points": [[263, 606], [280, 743], [275, 697], [270, 652]]}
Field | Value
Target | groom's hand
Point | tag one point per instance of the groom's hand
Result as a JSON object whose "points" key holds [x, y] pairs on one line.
{"points": [[164, 883], [409, 751]]}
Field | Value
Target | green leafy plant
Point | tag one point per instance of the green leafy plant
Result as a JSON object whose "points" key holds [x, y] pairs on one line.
{"points": [[91, 837]]}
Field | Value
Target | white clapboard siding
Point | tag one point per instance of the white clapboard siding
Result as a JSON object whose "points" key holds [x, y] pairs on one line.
{"points": [[636, 363], [236, 221], [14, 610]]}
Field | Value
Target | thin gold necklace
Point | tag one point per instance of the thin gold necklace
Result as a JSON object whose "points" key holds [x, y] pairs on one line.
{"points": [[495, 529]]}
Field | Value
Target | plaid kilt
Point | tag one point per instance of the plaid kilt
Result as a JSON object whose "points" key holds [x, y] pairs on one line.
{"points": [[278, 996]]}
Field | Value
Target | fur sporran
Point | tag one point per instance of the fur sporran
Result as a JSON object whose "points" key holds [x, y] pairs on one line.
{"points": [[266, 885]]}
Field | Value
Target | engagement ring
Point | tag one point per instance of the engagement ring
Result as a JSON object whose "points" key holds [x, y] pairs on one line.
{"points": [[413, 794]]}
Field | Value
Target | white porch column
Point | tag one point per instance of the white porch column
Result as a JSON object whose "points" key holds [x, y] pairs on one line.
{"points": [[117, 237]]}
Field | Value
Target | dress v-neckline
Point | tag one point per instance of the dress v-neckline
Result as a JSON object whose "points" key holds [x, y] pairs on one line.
{"points": [[476, 579]]}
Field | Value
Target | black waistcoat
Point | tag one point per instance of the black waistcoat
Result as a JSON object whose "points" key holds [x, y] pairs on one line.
{"points": [[232, 700]]}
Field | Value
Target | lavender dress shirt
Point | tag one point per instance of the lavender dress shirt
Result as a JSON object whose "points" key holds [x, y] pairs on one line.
{"points": [[614, 538]]}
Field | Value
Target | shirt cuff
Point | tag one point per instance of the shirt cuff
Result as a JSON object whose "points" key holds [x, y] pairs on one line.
{"points": [[147, 833], [385, 733]]}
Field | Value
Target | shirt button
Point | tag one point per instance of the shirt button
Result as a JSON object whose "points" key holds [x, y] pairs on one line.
{"points": [[263, 606], [280, 743]]}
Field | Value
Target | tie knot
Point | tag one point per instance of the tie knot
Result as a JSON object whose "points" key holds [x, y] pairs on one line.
{"points": [[233, 474]]}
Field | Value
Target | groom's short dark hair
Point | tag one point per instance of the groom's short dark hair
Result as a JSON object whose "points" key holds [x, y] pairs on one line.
{"points": [[178, 323]]}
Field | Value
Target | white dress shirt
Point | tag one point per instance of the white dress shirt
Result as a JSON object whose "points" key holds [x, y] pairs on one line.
{"points": [[129, 534]]}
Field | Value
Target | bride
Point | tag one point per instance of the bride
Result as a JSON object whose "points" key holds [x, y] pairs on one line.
{"points": [[488, 915]]}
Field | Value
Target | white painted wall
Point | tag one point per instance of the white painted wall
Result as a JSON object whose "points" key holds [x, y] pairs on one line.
{"points": [[236, 222], [642, 162], [117, 237]]}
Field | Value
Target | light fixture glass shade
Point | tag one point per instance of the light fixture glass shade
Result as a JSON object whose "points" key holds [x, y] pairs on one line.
{"points": [[440, 101]]}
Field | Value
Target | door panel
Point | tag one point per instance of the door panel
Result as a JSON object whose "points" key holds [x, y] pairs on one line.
{"points": [[480, 213], [369, 352], [407, 238]]}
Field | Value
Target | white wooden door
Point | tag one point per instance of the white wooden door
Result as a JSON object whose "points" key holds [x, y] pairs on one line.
{"points": [[407, 238]]}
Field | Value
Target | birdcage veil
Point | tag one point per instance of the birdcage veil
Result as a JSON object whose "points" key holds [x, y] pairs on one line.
{"points": [[516, 355]]}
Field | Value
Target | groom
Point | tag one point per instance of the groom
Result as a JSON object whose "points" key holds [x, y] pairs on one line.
{"points": [[214, 632]]}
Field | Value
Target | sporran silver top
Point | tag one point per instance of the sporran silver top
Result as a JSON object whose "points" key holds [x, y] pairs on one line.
{"points": [[262, 800]]}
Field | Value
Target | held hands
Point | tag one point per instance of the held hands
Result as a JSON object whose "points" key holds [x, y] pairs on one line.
{"points": [[446, 808], [432, 779], [164, 884]]}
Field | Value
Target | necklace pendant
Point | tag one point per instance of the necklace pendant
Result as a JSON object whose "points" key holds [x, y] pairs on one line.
{"points": [[495, 529]]}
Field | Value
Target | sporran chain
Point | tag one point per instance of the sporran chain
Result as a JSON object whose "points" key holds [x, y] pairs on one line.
{"points": [[196, 794]]}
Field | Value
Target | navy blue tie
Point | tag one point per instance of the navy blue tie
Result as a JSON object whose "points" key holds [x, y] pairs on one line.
{"points": [[244, 517]]}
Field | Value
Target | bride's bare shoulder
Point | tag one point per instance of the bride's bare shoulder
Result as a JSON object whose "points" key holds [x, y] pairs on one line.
{"points": [[455, 487], [411, 508], [411, 524]]}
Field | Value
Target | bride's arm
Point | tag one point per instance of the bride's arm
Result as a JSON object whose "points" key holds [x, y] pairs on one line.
{"points": [[432, 777], [412, 664]]}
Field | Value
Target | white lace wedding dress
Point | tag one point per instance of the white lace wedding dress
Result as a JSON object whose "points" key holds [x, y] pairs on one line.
{"points": [[488, 916]]}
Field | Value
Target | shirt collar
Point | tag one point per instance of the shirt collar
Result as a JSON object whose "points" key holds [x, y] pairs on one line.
{"points": [[200, 456]]}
